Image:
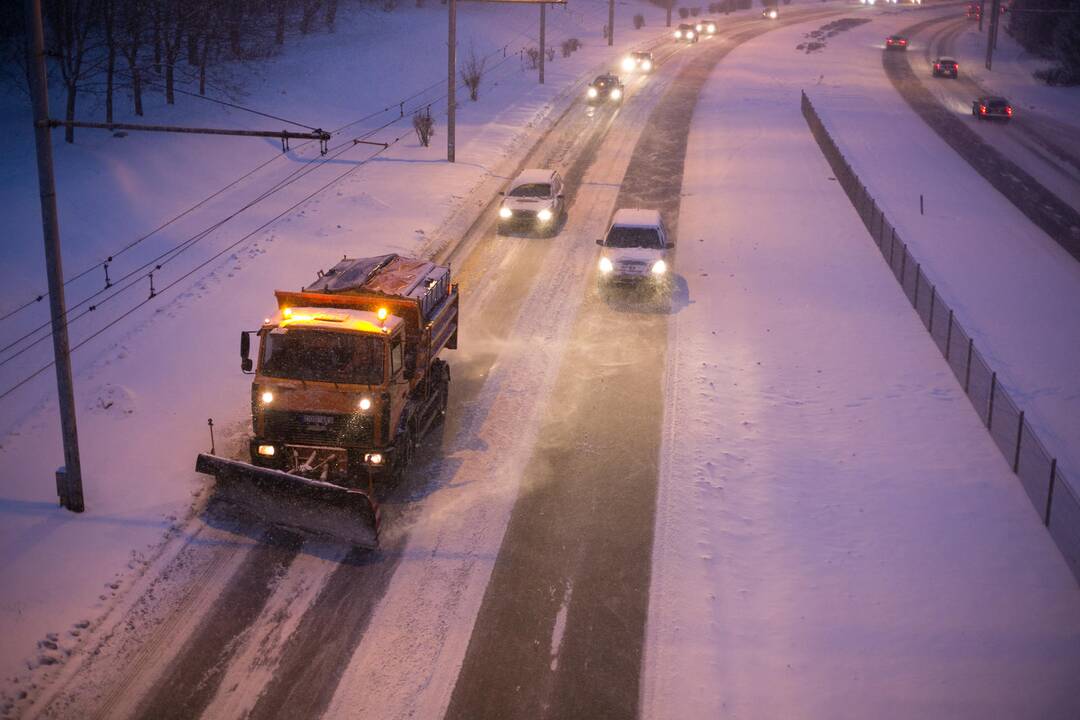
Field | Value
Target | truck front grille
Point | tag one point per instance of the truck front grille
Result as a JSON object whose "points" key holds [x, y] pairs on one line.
{"points": [[319, 428]]}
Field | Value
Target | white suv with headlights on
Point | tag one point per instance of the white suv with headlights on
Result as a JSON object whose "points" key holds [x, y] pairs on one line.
{"points": [[534, 201], [636, 250]]}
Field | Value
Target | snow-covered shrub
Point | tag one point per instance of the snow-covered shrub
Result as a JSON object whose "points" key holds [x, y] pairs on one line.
{"points": [[472, 72], [532, 57], [424, 125]]}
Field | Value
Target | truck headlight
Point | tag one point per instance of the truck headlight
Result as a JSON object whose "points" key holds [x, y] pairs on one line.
{"points": [[591, 92], [646, 65], [266, 450], [659, 267], [505, 212], [544, 215], [365, 403], [678, 34], [605, 265], [373, 458], [616, 94], [628, 64], [267, 397]]}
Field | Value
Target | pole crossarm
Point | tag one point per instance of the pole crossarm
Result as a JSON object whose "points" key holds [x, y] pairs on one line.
{"points": [[284, 135]]}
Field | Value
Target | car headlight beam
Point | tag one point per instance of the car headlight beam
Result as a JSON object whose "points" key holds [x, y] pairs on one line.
{"points": [[544, 215], [365, 403], [267, 397], [605, 265], [628, 64], [591, 92], [505, 212], [659, 267], [646, 65], [616, 94]]}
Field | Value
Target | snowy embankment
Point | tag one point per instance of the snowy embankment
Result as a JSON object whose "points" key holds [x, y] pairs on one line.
{"points": [[837, 534], [1014, 289], [145, 387]]}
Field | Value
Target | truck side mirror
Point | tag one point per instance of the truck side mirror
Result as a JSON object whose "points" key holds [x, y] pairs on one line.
{"points": [[669, 245], [599, 241], [245, 351], [502, 192]]}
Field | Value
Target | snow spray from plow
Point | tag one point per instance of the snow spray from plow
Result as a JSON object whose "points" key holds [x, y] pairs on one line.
{"points": [[310, 506]]}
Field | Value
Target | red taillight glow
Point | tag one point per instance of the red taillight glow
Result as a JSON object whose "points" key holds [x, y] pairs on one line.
{"points": [[937, 66], [903, 42], [1008, 111], [982, 109]]}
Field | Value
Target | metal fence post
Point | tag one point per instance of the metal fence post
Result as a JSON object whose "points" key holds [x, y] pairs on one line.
{"points": [[892, 244], [933, 297], [990, 409], [903, 266], [918, 271], [1019, 436], [948, 337], [1050, 491], [967, 372]]}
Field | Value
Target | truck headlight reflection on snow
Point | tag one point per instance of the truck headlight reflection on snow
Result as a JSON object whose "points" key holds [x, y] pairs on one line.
{"points": [[505, 212], [605, 265], [544, 215], [659, 267]]}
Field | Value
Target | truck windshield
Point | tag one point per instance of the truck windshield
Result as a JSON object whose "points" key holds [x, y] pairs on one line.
{"points": [[323, 356], [633, 237]]}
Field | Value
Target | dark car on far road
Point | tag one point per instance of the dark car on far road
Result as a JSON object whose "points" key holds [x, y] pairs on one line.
{"points": [[770, 13], [605, 88], [946, 67], [686, 33], [896, 42], [992, 107]]}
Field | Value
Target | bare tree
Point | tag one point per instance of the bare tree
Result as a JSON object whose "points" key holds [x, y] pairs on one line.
{"points": [[424, 124], [108, 24], [132, 26], [308, 10], [472, 72], [331, 14], [71, 22]]}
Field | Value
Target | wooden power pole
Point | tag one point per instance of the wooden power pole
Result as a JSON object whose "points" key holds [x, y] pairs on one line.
{"points": [[69, 478], [451, 82]]}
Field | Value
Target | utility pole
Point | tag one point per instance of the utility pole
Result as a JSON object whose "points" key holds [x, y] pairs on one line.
{"points": [[543, 27], [68, 478], [611, 23], [451, 82], [991, 35], [982, 11], [671, 4]]}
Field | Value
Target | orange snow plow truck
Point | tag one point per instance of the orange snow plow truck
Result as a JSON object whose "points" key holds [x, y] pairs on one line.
{"points": [[347, 380]]}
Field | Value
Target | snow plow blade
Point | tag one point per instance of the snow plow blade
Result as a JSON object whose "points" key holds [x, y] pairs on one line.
{"points": [[310, 506]]}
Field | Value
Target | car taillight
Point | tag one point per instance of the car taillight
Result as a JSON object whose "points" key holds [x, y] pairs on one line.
{"points": [[1008, 111], [982, 109], [937, 66]]}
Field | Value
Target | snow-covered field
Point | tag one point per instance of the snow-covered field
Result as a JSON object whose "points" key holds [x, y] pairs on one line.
{"points": [[146, 387], [1012, 287], [837, 535]]}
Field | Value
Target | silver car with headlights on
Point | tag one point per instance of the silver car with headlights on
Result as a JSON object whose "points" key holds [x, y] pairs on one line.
{"points": [[636, 251], [534, 202]]}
